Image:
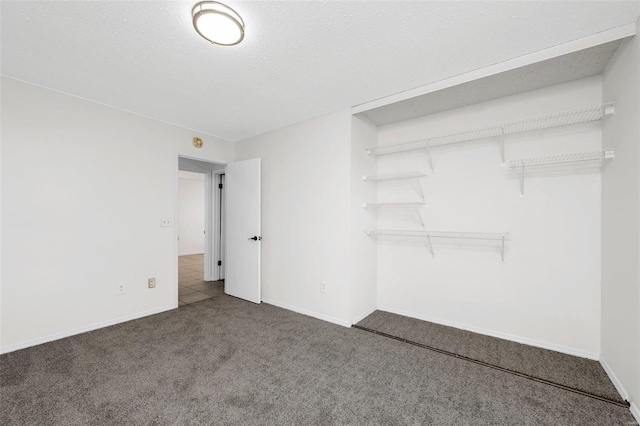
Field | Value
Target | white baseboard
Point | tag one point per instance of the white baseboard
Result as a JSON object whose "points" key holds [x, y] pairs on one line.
{"points": [[69, 333], [614, 379], [518, 339], [308, 313], [635, 412], [363, 315]]}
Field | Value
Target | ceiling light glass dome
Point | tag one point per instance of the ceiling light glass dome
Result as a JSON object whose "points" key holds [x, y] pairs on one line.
{"points": [[218, 23]]}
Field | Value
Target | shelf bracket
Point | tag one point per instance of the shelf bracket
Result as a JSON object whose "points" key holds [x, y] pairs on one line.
{"points": [[502, 149], [429, 156], [420, 188], [609, 153], [419, 217], [430, 246], [609, 109], [522, 180]]}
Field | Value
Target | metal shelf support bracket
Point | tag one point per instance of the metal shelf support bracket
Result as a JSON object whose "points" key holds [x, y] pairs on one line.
{"points": [[430, 246], [429, 159], [502, 149]]}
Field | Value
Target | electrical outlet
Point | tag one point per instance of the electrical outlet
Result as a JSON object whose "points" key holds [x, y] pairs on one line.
{"points": [[152, 283], [323, 287], [165, 222], [122, 289]]}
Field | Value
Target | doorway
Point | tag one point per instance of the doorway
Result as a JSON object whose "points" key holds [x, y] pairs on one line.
{"points": [[200, 230], [230, 263]]}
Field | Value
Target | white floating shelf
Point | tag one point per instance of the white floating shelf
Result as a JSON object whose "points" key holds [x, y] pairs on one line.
{"points": [[393, 204], [394, 176], [578, 157], [548, 121], [487, 236]]}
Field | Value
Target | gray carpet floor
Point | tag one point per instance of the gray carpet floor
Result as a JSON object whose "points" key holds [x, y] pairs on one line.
{"points": [[575, 372], [226, 361]]}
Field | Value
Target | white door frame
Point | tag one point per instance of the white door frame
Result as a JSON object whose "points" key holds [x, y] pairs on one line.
{"points": [[219, 224], [212, 211], [209, 217]]}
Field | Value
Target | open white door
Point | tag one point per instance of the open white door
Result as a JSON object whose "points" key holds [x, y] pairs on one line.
{"points": [[242, 274]]}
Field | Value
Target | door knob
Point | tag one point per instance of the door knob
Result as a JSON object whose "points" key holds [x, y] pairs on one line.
{"points": [[254, 238]]}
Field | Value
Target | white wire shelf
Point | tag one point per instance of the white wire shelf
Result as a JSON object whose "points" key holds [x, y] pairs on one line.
{"points": [[397, 176], [563, 158], [394, 176], [393, 204], [558, 159], [486, 236], [441, 234], [462, 136], [548, 121]]}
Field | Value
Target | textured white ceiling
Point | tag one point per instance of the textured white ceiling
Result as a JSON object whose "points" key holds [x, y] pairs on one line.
{"points": [[299, 59]]}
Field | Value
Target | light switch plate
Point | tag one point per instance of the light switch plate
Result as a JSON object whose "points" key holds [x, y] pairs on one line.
{"points": [[122, 289], [165, 222], [152, 283]]}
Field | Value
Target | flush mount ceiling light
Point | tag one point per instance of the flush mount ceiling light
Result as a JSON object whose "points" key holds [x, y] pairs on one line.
{"points": [[218, 23]]}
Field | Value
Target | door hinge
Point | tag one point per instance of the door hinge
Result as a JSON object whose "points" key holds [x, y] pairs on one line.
{"points": [[220, 185], [219, 262]]}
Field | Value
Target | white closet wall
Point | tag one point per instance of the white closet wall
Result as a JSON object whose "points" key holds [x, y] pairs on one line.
{"points": [[547, 290], [621, 225], [364, 134]]}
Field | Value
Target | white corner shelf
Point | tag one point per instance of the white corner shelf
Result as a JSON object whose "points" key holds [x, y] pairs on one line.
{"points": [[486, 236], [393, 204], [558, 159], [548, 121], [398, 176], [413, 204], [394, 176]]}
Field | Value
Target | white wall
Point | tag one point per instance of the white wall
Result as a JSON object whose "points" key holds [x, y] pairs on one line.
{"points": [[306, 200], [84, 187], [547, 291], [190, 213], [621, 223], [364, 134]]}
